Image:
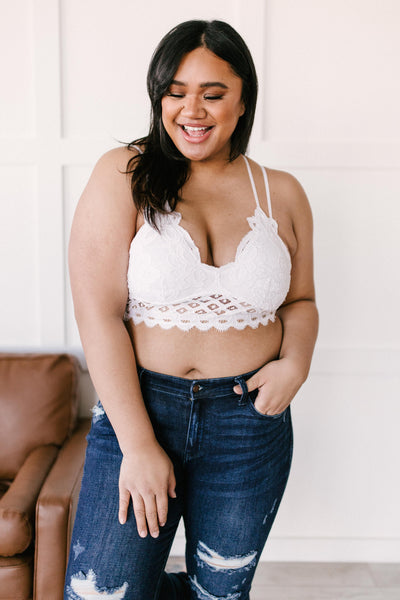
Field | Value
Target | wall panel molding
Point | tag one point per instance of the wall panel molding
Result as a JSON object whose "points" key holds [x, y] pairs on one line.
{"points": [[17, 80], [346, 379], [49, 188]]}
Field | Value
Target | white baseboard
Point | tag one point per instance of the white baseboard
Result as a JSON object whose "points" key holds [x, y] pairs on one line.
{"points": [[320, 549]]}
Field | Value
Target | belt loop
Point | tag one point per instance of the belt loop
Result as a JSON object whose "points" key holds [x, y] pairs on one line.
{"points": [[245, 392]]}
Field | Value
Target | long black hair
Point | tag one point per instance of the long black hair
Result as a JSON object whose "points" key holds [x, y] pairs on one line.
{"points": [[158, 174]]}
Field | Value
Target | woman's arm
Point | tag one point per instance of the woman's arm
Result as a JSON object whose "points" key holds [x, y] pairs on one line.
{"points": [[279, 380], [102, 230]]}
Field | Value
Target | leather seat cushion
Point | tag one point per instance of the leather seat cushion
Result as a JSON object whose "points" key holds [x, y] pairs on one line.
{"points": [[16, 575]]}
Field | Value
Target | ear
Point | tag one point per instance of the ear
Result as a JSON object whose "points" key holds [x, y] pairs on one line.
{"points": [[242, 108]]}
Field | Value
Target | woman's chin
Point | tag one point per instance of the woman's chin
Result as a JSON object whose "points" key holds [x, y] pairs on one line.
{"points": [[203, 151]]}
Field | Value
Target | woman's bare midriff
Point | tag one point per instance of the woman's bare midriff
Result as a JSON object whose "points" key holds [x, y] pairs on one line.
{"points": [[198, 354]]}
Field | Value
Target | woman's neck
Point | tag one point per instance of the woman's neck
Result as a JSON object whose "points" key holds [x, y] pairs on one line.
{"points": [[215, 167]]}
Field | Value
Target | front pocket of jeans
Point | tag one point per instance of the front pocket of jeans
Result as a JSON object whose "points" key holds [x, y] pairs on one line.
{"points": [[251, 398]]}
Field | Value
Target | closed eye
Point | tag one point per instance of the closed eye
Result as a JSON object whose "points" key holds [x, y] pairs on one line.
{"points": [[171, 95]]}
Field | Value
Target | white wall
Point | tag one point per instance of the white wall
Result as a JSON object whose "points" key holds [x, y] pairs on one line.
{"points": [[73, 82]]}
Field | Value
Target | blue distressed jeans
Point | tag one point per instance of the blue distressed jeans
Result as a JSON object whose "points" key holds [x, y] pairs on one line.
{"points": [[231, 466]]}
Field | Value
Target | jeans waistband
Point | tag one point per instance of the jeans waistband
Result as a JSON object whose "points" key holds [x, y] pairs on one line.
{"points": [[218, 386]]}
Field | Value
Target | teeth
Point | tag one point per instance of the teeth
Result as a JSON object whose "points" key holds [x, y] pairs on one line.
{"points": [[198, 131], [188, 128]]}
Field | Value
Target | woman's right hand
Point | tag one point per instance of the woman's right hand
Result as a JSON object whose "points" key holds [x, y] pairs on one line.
{"points": [[146, 476]]}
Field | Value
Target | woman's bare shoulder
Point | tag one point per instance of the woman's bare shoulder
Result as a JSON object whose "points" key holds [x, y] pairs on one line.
{"points": [[109, 182], [105, 207], [121, 154], [115, 161], [287, 192]]}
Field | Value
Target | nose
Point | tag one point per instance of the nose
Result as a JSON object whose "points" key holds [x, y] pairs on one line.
{"points": [[193, 107]]}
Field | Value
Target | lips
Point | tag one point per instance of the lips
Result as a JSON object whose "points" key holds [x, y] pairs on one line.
{"points": [[195, 133]]}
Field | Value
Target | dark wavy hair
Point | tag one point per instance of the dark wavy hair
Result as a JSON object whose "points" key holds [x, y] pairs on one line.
{"points": [[158, 174]]}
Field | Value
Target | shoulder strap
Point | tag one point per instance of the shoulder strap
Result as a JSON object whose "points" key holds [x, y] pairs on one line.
{"points": [[264, 170], [137, 148], [252, 181]]}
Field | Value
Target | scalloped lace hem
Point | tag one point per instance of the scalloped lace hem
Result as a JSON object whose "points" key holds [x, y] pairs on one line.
{"points": [[221, 324]]}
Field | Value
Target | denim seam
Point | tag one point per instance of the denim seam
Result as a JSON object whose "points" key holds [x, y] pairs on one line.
{"points": [[166, 390]]}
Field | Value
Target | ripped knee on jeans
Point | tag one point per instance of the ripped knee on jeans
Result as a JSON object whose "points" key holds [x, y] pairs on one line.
{"points": [[83, 587], [211, 558], [207, 558], [203, 594]]}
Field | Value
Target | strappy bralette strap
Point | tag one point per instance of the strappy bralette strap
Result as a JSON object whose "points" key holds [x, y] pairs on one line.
{"points": [[264, 170], [252, 181]]}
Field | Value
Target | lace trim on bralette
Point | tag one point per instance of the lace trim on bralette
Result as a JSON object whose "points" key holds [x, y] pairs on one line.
{"points": [[203, 313]]}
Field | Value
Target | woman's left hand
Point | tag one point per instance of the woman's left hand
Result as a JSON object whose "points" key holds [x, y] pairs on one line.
{"points": [[277, 382]]}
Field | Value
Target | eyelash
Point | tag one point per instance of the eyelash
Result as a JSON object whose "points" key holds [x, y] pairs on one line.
{"points": [[205, 97]]}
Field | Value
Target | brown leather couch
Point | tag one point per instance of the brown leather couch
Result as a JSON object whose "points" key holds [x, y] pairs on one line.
{"points": [[42, 447]]}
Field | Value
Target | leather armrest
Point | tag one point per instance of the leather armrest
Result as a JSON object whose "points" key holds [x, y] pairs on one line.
{"points": [[55, 513], [18, 503]]}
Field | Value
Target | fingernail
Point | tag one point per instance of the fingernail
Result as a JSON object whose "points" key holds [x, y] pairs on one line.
{"points": [[162, 524], [122, 521], [154, 534], [143, 533]]}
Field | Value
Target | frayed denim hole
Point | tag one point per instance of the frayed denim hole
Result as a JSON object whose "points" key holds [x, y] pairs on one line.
{"points": [[85, 586], [203, 594], [98, 412], [210, 558]]}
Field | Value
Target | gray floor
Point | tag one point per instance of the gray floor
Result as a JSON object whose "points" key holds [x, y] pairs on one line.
{"points": [[321, 581]]}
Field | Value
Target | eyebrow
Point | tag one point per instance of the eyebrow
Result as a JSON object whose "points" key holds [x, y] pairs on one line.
{"points": [[206, 84]]}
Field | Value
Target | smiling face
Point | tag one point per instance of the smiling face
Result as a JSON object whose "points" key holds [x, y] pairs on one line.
{"points": [[202, 106]]}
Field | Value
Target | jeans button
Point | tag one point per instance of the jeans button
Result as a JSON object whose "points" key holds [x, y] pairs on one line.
{"points": [[196, 388]]}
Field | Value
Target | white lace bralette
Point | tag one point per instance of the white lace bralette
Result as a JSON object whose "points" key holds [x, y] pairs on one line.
{"points": [[169, 286]]}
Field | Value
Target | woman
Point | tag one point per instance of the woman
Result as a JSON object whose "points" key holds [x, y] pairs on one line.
{"points": [[196, 363]]}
